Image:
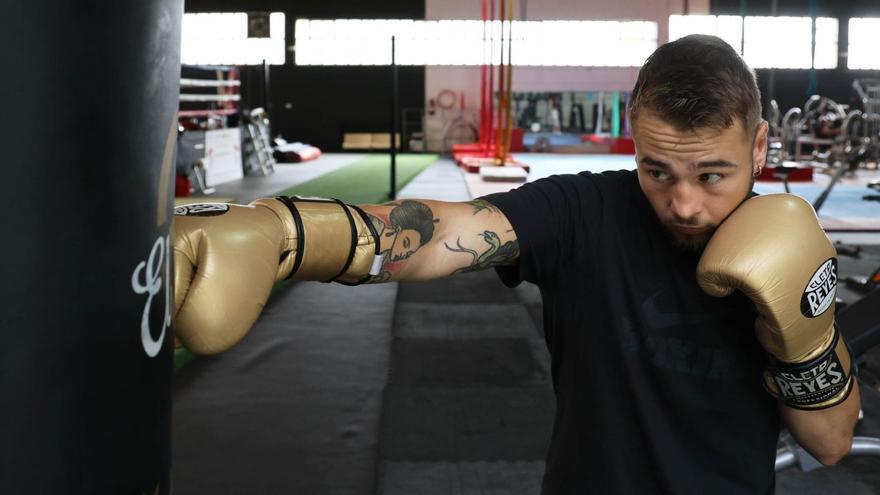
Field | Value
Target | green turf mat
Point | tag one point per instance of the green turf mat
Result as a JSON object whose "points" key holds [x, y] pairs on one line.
{"points": [[181, 357], [365, 181]]}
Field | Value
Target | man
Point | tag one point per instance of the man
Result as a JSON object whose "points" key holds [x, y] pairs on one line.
{"points": [[660, 386]]}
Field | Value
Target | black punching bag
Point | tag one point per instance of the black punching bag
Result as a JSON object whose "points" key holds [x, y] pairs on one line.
{"points": [[89, 93]]}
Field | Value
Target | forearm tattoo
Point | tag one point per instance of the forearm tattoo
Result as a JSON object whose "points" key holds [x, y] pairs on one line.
{"points": [[495, 254], [410, 224], [402, 232], [481, 205]]}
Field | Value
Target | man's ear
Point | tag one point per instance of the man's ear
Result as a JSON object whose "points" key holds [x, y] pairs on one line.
{"points": [[759, 149]]}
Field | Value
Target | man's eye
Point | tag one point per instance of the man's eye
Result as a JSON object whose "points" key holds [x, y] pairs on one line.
{"points": [[406, 243], [710, 178], [658, 174]]}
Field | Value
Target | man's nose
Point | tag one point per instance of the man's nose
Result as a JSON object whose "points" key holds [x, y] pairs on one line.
{"points": [[686, 201]]}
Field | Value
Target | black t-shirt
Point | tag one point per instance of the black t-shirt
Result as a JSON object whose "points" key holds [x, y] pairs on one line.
{"points": [[658, 385]]}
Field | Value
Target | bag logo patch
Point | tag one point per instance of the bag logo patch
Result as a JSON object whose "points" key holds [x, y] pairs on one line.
{"points": [[201, 210]]}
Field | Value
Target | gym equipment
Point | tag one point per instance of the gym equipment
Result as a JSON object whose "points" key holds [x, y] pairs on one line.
{"points": [[864, 283], [816, 126], [874, 185], [294, 152], [86, 347], [493, 148], [576, 120], [843, 142], [852, 251], [257, 149]]}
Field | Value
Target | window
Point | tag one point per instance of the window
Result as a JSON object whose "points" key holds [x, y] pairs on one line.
{"points": [[864, 38], [464, 42], [826, 43], [726, 27], [770, 42], [222, 39]]}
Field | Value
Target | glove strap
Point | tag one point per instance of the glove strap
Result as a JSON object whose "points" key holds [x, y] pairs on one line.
{"points": [[820, 383], [300, 236], [334, 241]]}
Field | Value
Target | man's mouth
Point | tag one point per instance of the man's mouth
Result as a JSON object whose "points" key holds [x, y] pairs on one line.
{"points": [[690, 231]]}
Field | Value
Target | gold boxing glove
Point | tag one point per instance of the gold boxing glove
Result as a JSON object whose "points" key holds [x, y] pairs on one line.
{"points": [[773, 249], [227, 257]]}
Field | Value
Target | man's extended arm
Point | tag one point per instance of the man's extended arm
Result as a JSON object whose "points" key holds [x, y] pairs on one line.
{"points": [[227, 257]]}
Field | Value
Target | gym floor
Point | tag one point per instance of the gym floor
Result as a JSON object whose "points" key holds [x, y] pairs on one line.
{"points": [[432, 388]]}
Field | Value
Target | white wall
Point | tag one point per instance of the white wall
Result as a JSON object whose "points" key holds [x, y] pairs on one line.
{"points": [[467, 79]]}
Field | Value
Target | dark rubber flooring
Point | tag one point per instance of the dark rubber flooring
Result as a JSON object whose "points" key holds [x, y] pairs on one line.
{"points": [[436, 388], [294, 408], [468, 406]]}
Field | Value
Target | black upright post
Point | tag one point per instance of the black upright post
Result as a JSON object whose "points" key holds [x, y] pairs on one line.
{"points": [[91, 90], [394, 111], [267, 100], [771, 77]]}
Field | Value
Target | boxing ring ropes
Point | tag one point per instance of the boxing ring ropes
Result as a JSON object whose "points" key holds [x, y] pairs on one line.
{"points": [[226, 95]]}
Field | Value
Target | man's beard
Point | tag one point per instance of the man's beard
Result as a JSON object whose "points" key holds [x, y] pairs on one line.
{"points": [[691, 244], [695, 244]]}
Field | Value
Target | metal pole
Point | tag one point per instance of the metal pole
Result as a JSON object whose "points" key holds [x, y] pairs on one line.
{"points": [[267, 101], [771, 77], [395, 104], [743, 8]]}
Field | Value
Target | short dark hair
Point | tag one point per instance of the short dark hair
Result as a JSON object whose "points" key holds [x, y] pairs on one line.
{"points": [[698, 81]]}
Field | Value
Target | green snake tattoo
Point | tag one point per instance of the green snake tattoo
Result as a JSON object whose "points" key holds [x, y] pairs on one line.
{"points": [[497, 254], [483, 205]]}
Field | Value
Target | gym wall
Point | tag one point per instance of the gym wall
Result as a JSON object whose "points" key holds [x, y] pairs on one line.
{"points": [[555, 78], [789, 86], [317, 104]]}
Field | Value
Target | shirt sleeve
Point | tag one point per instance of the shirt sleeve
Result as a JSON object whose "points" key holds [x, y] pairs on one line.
{"points": [[543, 215]]}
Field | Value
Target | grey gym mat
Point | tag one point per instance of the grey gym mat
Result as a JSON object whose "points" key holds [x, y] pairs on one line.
{"points": [[294, 408], [468, 407], [442, 181]]}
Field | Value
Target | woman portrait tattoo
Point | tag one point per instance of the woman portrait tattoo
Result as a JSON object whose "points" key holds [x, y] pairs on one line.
{"points": [[410, 225]]}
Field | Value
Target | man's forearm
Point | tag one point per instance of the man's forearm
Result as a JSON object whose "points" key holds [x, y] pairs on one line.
{"points": [[825, 433], [423, 239]]}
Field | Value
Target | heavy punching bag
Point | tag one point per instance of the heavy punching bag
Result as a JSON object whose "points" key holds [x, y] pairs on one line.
{"points": [[89, 93]]}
